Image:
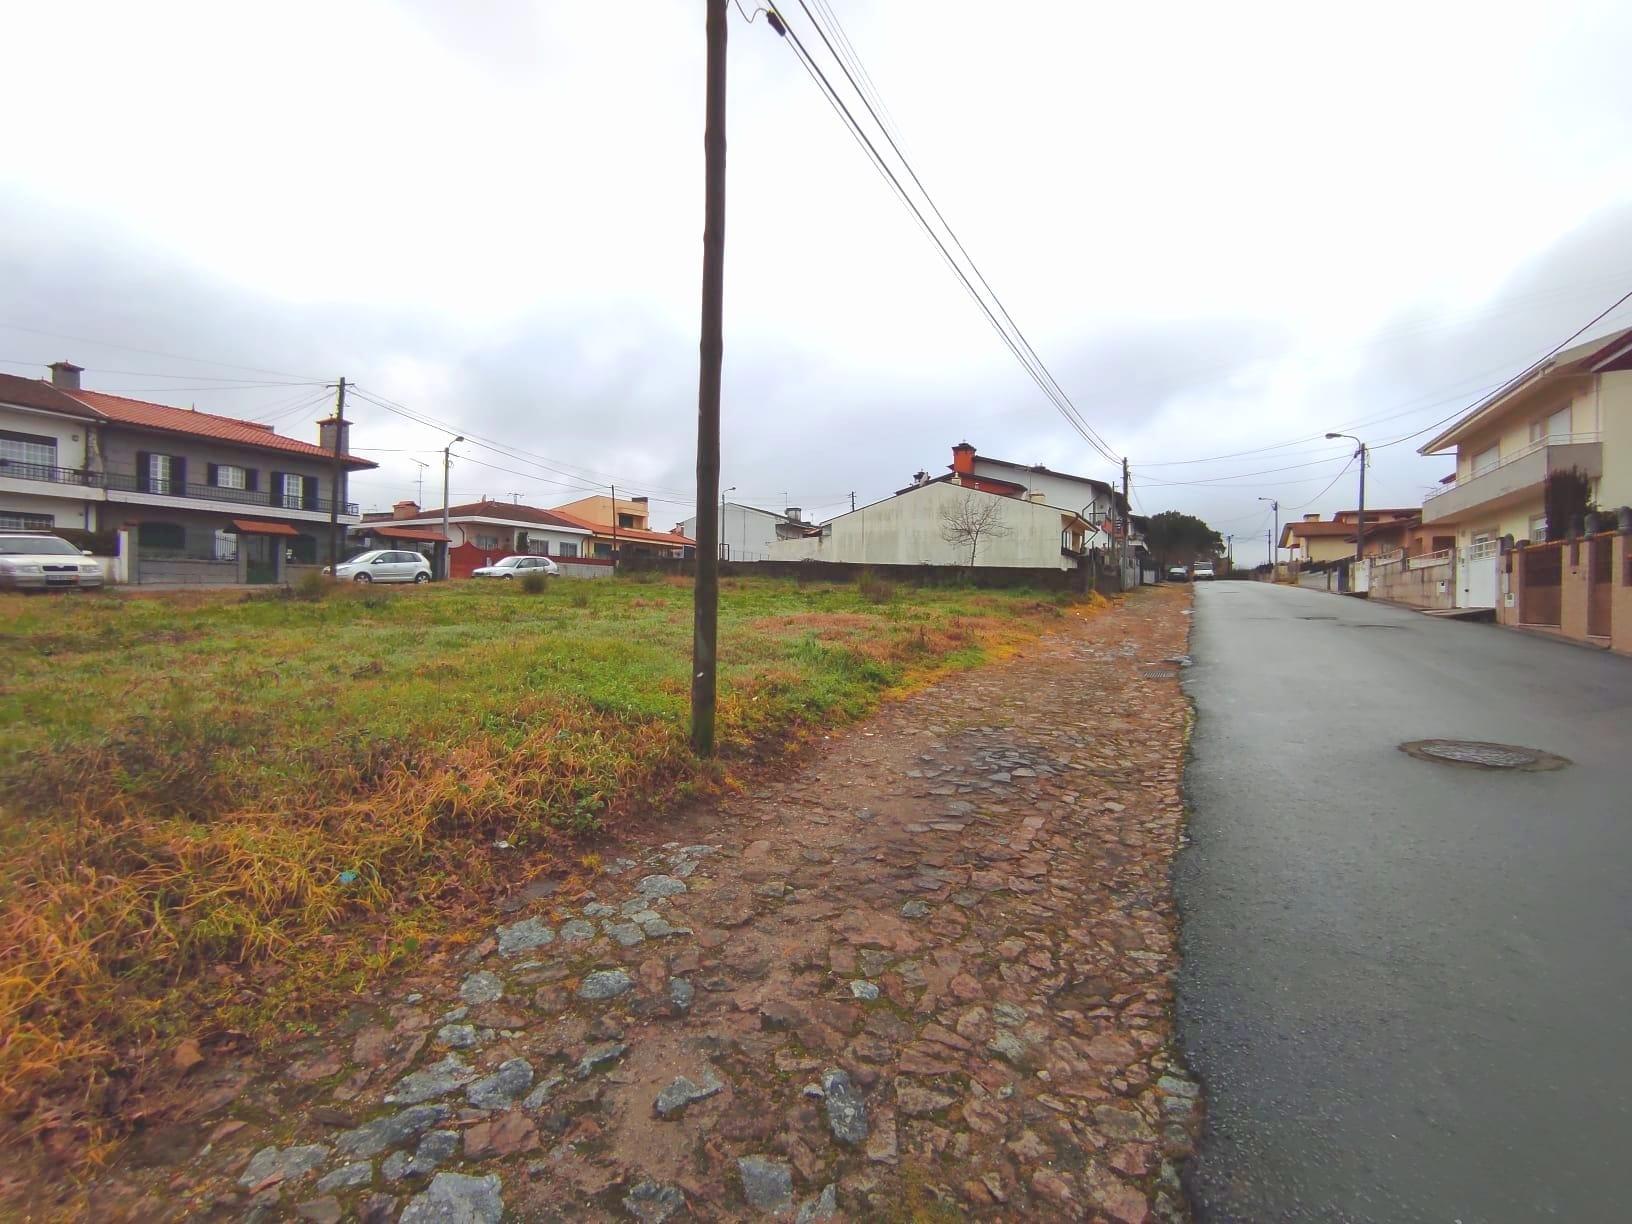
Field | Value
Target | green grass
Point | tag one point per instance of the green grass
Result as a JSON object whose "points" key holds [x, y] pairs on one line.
{"points": [[197, 787]]}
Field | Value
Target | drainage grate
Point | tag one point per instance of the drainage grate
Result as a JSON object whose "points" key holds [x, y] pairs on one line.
{"points": [[1478, 754]]}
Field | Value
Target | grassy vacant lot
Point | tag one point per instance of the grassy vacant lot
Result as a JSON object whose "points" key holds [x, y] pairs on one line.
{"points": [[217, 812]]}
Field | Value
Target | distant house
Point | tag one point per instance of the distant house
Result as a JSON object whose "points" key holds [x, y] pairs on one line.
{"points": [[479, 533], [917, 525], [622, 528], [1314, 540], [203, 498], [747, 532]]}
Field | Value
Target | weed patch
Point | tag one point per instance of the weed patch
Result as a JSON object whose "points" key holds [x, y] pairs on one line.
{"points": [[226, 813]]}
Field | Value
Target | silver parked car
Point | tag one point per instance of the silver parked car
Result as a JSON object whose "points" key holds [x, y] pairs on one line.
{"points": [[37, 562], [512, 567], [385, 565]]}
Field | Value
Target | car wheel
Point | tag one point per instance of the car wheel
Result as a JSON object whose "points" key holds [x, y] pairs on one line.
{"points": [[363, 578], [420, 577], [507, 577]]}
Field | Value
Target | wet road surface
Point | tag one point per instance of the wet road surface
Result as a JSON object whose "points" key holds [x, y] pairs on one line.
{"points": [[1407, 986]]}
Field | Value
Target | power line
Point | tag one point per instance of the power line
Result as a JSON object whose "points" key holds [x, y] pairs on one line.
{"points": [[129, 348], [1329, 487], [1075, 417], [1017, 343], [1521, 375]]}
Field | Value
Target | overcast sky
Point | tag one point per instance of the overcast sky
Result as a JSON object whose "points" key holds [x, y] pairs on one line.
{"points": [[1223, 227]]}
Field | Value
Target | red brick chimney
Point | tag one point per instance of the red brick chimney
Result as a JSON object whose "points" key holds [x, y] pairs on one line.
{"points": [[405, 510], [963, 459]]}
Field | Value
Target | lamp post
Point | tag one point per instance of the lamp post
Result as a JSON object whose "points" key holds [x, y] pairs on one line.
{"points": [[1360, 517], [725, 545], [447, 544], [1274, 539]]}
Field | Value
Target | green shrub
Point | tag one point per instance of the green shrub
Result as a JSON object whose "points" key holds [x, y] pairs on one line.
{"points": [[313, 586], [874, 589], [579, 598], [533, 582]]}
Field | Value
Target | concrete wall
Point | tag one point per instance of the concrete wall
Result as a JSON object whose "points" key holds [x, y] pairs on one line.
{"points": [[994, 577], [906, 530], [1432, 586], [1574, 593], [1615, 427], [194, 573]]}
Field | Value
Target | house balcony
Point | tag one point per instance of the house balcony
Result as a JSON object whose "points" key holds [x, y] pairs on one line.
{"points": [[125, 487], [1517, 477]]}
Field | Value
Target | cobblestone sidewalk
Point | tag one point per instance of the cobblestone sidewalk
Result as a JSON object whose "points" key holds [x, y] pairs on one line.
{"points": [[927, 975]]}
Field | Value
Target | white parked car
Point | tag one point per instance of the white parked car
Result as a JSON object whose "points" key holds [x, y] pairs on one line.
{"points": [[45, 563], [512, 567], [385, 565], [1203, 571]]}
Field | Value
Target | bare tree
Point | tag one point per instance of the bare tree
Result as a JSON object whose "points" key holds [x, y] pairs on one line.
{"points": [[977, 517]]}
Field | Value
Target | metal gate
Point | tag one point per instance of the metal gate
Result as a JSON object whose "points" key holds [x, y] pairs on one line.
{"points": [[1600, 563], [1476, 575]]}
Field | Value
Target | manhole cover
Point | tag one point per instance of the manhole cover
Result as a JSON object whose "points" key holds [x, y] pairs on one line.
{"points": [[1481, 755]]}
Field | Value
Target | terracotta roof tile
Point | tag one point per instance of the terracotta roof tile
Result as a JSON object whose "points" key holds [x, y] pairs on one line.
{"points": [[37, 393], [118, 410]]}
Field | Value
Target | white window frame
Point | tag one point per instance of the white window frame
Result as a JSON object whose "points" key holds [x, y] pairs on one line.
{"points": [[36, 449], [292, 495], [568, 549], [161, 473], [1538, 528], [231, 476], [23, 520]]}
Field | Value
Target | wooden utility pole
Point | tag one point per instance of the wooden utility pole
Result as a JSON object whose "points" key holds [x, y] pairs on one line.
{"points": [[334, 481], [1127, 525], [614, 529], [711, 352]]}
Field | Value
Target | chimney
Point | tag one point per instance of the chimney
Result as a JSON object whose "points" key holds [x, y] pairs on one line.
{"points": [[642, 499], [325, 436], [1311, 518], [793, 513], [65, 375], [405, 510], [963, 459], [1036, 495]]}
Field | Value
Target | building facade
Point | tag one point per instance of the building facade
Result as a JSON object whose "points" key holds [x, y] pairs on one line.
{"points": [[1573, 411], [747, 532], [912, 528], [198, 497]]}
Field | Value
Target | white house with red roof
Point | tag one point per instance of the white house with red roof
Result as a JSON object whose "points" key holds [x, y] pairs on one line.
{"points": [[200, 497], [478, 533]]}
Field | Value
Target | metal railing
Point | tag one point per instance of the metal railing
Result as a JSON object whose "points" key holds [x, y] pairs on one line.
{"points": [[1530, 448], [1429, 560], [18, 470], [128, 482]]}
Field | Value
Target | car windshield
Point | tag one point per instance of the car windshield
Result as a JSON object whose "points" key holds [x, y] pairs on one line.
{"points": [[356, 557], [508, 563], [23, 546]]}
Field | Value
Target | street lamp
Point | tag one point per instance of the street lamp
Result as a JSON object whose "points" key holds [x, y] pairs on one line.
{"points": [[724, 544], [1360, 518], [447, 544], [1274, 539]]}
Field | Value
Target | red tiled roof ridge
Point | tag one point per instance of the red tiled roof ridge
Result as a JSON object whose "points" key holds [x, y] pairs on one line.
{"points": [[123, 410]]}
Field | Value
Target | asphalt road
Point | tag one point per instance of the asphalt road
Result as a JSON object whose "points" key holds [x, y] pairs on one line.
{"points": [[1407, 987]]}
